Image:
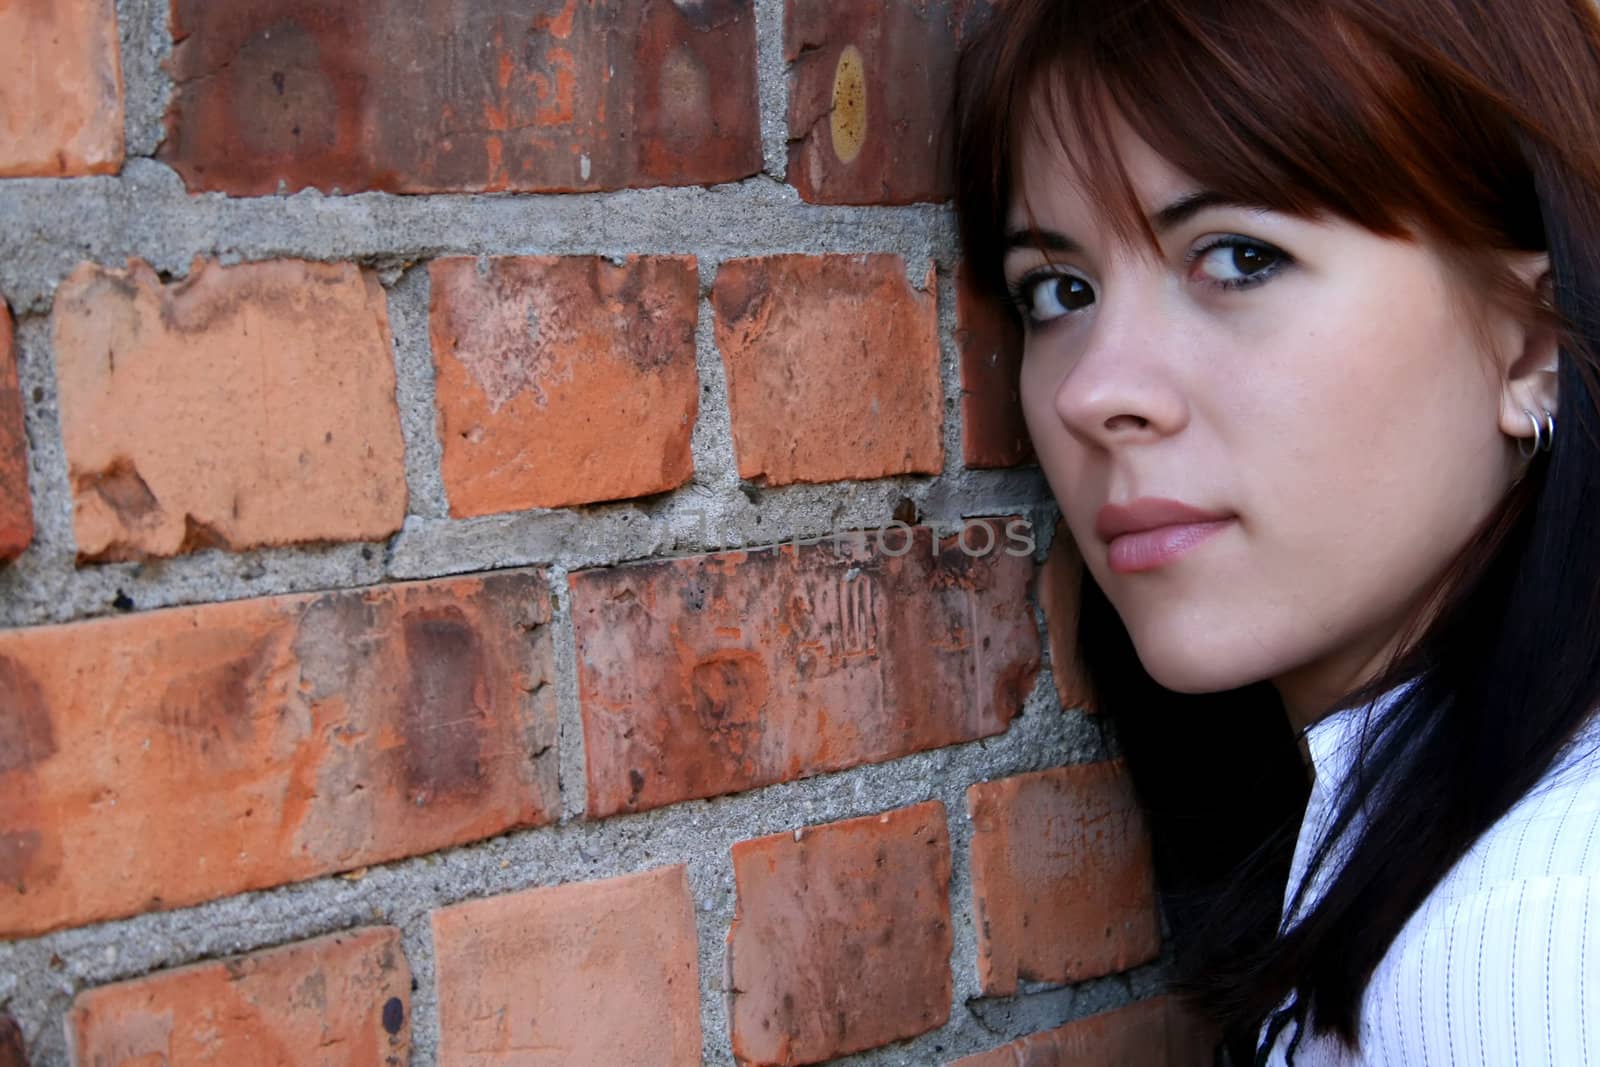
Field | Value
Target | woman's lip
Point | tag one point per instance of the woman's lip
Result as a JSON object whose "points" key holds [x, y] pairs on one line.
{"points": [[1148, 549]]}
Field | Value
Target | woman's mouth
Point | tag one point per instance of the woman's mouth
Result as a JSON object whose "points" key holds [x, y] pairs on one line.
{"points": [[1146, 550], [1152, 531]]}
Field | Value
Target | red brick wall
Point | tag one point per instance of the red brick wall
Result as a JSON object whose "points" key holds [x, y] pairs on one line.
{"points": [[517, 546]]}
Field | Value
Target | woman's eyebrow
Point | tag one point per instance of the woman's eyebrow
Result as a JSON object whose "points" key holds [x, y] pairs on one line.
{"points": [[1180, 210]]}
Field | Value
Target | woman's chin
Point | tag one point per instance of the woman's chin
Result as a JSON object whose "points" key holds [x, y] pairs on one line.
{"points": [[1196, 669]]}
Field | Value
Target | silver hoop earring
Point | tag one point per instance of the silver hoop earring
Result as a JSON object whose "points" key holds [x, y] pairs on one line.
{"points": [[1538, 437], [1542, 441]]}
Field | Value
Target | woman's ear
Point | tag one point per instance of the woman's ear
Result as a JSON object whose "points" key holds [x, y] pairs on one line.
{"points": [[1527, 356]]}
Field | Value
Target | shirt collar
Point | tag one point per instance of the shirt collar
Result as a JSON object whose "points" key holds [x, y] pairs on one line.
{"points": [[1334, 740]]}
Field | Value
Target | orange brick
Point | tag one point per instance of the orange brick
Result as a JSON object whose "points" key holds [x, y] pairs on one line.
{"points": [[61, 102], [16, 506], [841, 937], [833, 367], [869, 94], [245, 406], [1062, 883], [592, 972], [1060, 586], [337, 1001], [1149, 1033], [713, 674], [993, 432], [491, 95], [563, 380], [160, 759]]}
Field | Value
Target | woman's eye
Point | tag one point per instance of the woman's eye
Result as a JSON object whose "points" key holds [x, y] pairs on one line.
{"points": [[1046, 295], [1236, 262]]}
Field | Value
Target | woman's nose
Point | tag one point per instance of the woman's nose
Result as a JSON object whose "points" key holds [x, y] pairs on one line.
{"points": [[1123, 385]]}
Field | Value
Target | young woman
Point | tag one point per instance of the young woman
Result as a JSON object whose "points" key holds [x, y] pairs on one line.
{"points": [[1311, 298]]}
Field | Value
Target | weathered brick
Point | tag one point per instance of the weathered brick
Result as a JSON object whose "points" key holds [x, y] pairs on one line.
{"points": [[1059, 587], [491, 95], [160, 759], [61, 94], [245, 406], [841, 937], [342, 1000], [1149, 1033], [712, 674], [13, 1053], [599, 972], [16, 505], [993, 432], [869, 95], [832, 365], [563, 380], [1062, 883]]}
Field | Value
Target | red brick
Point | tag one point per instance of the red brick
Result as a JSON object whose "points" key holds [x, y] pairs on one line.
{"points": [[833, 367], [160, 759], [1149, 1033], [492, 95], [245, 406], [13, 1053], [713, 674], [61, 100], [1059, 588], [343, 999], [563, 380], [16, 505], [1062, 883], [869, 94], [993, 433], [600, 972], [841, 937]]}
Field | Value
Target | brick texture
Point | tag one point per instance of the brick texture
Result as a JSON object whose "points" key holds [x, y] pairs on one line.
{"points": [[1062, 883], [1059, 588], [563, 380], [713, 674], [832, 366], [586, 973], [174, 756], [1156, 1032], [869, 94], [61, 93], [494, 95], [245, 406], [12, 1051], [337, 1001], [993, 432], [16, 505], [841, 937]]}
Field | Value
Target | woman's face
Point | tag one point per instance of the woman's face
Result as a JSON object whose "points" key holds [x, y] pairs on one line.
{"points": [[1313, 387]]}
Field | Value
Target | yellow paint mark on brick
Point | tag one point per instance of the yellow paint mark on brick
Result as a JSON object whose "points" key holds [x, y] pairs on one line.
{"points": [[849, 119]]}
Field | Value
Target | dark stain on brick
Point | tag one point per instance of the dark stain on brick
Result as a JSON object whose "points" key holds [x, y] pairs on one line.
{"points": [[211, 711], [198, 534], [741, 292], [656, 308], [123, 489], [27, 733], [18, 851], [12, 1052], [394, 1015], [445, 702]]}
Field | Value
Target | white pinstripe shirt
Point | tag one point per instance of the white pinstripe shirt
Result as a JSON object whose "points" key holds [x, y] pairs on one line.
{"points": [[1500, 966]]}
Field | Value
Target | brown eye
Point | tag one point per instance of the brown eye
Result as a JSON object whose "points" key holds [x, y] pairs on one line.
{"points": [[1235, 262], [1044, 296]]}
